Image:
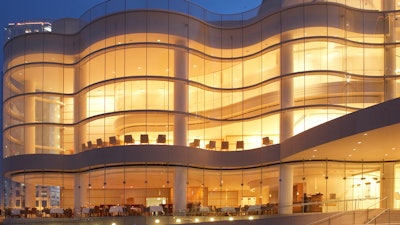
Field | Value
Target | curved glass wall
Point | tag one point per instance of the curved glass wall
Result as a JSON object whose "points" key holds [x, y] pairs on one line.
{"points": [[326, 186], [125, 75], [232, 80]]}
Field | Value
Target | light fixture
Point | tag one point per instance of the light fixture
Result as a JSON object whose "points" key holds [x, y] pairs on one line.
{"points": [[157, 221]]}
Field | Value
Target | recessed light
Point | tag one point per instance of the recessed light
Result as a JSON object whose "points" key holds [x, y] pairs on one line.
{"points": [[365, 134], [354, 149], [359, 142], [393, 148], [350, 155], [315, 150], [158, 40]]}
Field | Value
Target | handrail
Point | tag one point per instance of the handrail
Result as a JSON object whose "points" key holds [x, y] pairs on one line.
{"points": [[375, 217], [343, 212], [379, 214]]}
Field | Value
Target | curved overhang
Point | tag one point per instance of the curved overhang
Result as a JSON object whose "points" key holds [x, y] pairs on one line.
{"points": [[370, 134], [141, 155]]}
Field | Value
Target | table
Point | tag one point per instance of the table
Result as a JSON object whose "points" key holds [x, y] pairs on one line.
{"points": [[204, 209], [228, 209], [116, 210], [15, 212], [254, 208], [56, 211], [155, 209], [86, 211]]}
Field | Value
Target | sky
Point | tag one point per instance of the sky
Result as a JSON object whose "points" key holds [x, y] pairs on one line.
{"points": [[23, 10]]}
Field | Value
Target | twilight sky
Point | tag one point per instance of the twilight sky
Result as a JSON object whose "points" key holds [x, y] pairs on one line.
{"points": [[22, 10]]}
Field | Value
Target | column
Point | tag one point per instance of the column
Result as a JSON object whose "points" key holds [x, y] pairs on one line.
{"points": [[286, 189], [387, 185], [30, 132], [287, 101], [80, 111], [30, 195], [180, 125], [80, 193], [390, 50]]}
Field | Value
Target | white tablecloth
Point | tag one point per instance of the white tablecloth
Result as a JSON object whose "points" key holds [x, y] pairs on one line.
{"points": [[85, 210], [57, 210], [228, 209], [116, 210], [204, 209], [254, 208], [156, 209], [15, 211]]}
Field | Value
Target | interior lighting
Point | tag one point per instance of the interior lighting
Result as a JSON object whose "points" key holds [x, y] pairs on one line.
{"points": [[212, 219], [178, 220], [251, 218], [157, 221], [231, 218], [196, 220], [359, 142], [113, 224]]}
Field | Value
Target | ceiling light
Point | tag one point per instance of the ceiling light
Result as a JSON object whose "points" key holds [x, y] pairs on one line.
{"points": [[359, 142]]}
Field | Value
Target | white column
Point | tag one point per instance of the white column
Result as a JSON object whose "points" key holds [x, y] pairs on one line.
{"points": [[180, 190], [30, 132], [180, 125], [286, 189], [390, 50], [80, 111], [30, 195], [80, 193], [388, 185], [286, 122]]}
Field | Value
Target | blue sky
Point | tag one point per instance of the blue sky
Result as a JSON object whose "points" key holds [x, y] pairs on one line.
{"points": [[22, 10]]}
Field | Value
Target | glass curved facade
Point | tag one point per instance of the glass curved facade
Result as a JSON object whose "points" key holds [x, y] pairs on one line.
{"points": [[174, 76]]}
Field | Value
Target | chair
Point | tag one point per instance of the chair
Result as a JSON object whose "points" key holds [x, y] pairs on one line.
{"points": [[144, 139], [161, 139], [128, 139], [99, 142], [211, 145], [224, 145], [90, 145], [196, 143], [266, 141], [239, 145], [113, 140]]}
